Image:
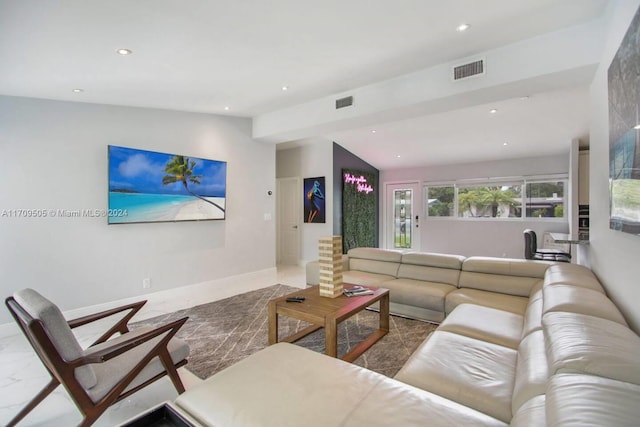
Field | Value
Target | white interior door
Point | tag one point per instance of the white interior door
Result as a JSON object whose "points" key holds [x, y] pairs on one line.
{"points": [[289, 206], [401, 216]]}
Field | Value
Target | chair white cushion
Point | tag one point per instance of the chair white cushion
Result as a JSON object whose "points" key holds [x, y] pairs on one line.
{"points": [[110, 372], [58, 329]]}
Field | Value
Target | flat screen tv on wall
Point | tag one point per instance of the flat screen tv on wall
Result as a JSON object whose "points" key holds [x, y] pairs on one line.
{"points": [[146, 186]]}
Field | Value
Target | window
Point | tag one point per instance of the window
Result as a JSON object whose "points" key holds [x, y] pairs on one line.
{"points": [[507, 198], [402, 211], [545, 199], [440, 200], [490, 201]]}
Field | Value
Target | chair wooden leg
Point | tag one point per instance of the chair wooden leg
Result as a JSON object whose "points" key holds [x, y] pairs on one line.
{"points": [[34, 402], [172, 372]]}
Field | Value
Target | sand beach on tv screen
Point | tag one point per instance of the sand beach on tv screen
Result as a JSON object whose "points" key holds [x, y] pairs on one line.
{"points": [[186, 209]]}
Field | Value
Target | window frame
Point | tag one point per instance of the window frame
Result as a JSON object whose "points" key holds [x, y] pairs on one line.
{"points": [[523, 181]]}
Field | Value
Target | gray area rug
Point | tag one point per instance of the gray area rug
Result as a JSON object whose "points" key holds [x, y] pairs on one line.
{"points": [[224, 332]]}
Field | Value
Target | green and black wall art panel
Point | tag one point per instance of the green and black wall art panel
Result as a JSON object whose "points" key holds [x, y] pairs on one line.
{"points": [[359, 195]]}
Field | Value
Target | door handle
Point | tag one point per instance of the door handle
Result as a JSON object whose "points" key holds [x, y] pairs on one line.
{"points": [[295, 226]]}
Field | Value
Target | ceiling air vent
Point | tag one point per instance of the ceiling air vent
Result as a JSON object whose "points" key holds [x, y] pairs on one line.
{"points": [[344, 102], [467, 70]]}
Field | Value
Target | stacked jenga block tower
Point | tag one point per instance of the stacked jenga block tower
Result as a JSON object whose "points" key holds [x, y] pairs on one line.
{"points": [[330, 260]]}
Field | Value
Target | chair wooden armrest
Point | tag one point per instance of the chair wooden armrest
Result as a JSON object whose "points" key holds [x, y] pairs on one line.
{"points": [[95, 378], [111, 351], [122, 326]]}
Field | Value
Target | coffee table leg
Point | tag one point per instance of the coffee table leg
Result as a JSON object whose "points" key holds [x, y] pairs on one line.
{"points": [[331, 337], [273, 323], [384, 313]]}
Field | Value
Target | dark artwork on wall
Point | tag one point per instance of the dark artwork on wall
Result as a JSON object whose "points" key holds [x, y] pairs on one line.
{"points": [[314, 201], [624, 133], [358, 209]]}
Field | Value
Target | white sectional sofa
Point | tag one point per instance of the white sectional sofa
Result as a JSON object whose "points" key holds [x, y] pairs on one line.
{"points": [[566, 357], [428, 286]]}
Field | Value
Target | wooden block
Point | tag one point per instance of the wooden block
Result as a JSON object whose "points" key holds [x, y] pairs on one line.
{"points": [[330, 262]]}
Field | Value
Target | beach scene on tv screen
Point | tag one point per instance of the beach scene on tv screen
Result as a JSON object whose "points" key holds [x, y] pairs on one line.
{"points": [[146, 186]]}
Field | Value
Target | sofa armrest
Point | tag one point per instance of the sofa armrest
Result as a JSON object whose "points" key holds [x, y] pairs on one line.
{"points": [[313, 273], [313, 270], [345, 262]]}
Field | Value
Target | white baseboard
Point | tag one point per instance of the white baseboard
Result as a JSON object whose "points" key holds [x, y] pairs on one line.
{"points": [[169, 300]]}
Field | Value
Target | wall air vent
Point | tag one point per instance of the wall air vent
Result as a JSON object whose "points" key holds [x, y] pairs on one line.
{"points": [[467, 70], [344, 102]]}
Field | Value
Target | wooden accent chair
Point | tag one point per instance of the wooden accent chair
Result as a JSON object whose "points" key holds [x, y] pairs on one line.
{"points": [[108, 370]]}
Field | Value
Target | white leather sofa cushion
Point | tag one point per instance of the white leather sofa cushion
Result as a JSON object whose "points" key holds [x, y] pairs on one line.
{"points": [[475, 373], [282, 385], [372, 266], [375, 254], [506, 266], [509, 285], [578, 343], [586, 400], [453, 262], [392, 403], [429, 274], [572, 274], [486, 324], [532, 317], [418, 293], [365, 278], [531, 370], [509, 303], [531, 413], [506, 276], [287, 385], [574, 299]]}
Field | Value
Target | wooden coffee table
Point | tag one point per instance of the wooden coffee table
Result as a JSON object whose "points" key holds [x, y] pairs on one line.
{"points": [[327, 313]]}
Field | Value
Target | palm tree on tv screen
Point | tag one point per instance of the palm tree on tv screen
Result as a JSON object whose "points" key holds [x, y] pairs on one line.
{"points": [[180, 169]]}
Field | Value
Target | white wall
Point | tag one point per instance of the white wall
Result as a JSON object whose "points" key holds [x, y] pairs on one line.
{"points": [[478, 237], [53, 155], [613, 254], [311, 160]]}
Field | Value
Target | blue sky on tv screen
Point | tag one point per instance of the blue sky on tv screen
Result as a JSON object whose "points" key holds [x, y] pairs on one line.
{"points": [[140, 171]]}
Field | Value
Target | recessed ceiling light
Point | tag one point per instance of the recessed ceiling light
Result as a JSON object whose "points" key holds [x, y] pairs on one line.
{"points": [[462, 27], [493, 111], [373, 131], [398, 156], [227, 108], [636, 127], [505, 144], [524, 98], [78, 90], [285, 88], [124, 52]]}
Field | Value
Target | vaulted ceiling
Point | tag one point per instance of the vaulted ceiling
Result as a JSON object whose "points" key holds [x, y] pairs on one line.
{"points": [[236, 57]]}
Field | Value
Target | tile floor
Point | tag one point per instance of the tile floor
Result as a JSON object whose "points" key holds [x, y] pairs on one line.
{"points": [[22, 376]]}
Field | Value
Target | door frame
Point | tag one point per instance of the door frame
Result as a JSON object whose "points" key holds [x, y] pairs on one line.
{"points": [[280, 217], [387, 215]]}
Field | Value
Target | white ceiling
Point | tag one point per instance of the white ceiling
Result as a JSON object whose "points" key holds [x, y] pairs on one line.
{"points": [[203, 55]]}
